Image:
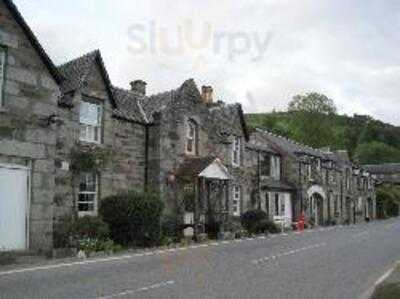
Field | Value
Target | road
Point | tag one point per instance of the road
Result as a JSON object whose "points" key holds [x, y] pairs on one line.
{"points": [[335, 262]]}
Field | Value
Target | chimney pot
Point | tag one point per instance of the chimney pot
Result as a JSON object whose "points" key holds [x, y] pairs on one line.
{"points": [[207, 94], [139, 86]]}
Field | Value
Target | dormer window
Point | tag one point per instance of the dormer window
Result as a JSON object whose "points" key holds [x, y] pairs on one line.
{"points": [[90, 119], [236, 154], [191, 138], [2, 74]]}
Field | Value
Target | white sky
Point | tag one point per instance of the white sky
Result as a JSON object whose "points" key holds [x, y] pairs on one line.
{"points": [[259, 53]]}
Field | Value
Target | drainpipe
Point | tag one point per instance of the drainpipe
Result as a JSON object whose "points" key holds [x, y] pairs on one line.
{"points": [[146, 158]]}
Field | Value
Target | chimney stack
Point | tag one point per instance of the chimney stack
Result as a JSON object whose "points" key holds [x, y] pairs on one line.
{"points": [[207, 94], [139, 86]]}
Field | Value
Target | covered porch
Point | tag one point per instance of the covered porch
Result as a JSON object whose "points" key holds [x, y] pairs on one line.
{"points": [[204, 184]]}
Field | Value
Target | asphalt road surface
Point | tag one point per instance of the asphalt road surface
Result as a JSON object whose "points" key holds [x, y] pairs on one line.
{"points": [[335, 262]]}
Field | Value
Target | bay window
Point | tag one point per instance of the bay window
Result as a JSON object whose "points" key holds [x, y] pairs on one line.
{"points": [[88, 193], [90, 118]]}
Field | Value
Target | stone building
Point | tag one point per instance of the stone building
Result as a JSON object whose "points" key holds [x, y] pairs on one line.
{"points": [[325, 185], [29, 84], [197, 155], [388, 173], [69, 138]]}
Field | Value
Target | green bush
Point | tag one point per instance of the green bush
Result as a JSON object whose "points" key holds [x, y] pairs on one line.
{"points": [[7, 258], [171, 228], [95, 245], [387, 291], [133, 217], [68, 231], [267, 226], [251, 220]]}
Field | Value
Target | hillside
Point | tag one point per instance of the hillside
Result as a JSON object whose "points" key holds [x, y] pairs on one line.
{"points": [[367, 140]]}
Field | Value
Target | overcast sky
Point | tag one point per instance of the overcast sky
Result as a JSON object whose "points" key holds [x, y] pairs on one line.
{"points": [[259, 53]]}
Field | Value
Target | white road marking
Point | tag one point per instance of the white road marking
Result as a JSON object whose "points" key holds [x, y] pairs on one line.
{"points": [[291, 252], [143, 289]]}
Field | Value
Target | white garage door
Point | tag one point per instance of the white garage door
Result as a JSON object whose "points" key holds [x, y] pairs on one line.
{"points": [[13, 208]]}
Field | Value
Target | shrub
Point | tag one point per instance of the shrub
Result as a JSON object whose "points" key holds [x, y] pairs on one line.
{"points": [[7, 258], [252, 219], [133, 217], [92, 228], [95, 245], [267, 226], [68, 231], [171, 228]]}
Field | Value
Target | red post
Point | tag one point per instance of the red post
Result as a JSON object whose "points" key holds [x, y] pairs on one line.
{"points": [[301, 222]]}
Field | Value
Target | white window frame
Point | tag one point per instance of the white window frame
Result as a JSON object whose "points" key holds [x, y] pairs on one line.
{"points": [[191, 136], [94, 193], [275, 167], [91, 130], [3, 62], [236, 151], [236, 200]]}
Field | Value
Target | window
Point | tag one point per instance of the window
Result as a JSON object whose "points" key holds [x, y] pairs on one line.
{"points": [[236, 157], [87, 200], [276, 167], [191, 137], [265, 165], [237, 194], [90, 118], [2, 74], [276, 204]]}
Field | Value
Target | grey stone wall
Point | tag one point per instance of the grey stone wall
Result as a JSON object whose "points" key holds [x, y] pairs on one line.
{"points": [[124, 140], [26, 137]]}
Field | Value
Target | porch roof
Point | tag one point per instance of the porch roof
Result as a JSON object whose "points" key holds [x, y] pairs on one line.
{"points": [[206, 167]]}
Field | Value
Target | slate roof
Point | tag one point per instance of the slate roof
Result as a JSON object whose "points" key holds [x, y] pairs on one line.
{"points": [[291, 147], [262, 148], [77, 70], [193, 166], [219, 111], [129, 105], [34, 41], [388, 168]]}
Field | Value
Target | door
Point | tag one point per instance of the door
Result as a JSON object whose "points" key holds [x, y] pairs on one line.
{"points": [[13, 208]]}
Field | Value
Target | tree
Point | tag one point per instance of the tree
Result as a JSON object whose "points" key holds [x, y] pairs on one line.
{"points": [[376, 153], [311, 117], [312, 102]]}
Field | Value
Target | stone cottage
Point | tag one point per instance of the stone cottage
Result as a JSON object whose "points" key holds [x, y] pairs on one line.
{"points": [[29, 84], [69, 137], [325, 185], [197, 155]]}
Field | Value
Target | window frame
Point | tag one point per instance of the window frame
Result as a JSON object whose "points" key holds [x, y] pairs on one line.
{"points": [[94, 193], [263, 164], [237, 200], [190, 123], [99, 126], [3, 50], [236, 149]]}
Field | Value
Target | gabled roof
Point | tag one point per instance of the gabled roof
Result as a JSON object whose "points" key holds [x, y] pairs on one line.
{"points": [[188, 90], [77, 71], [193, 166], [129, 106], [34, 41]]}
